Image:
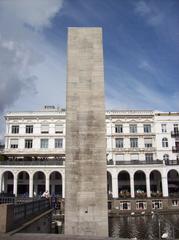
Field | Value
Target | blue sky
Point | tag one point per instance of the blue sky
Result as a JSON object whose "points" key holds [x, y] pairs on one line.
{"points": [[141, 51]]}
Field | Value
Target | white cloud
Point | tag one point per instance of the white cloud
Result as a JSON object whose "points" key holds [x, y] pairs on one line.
{"points": [[36, 13], [149, 12], [145, 65], [23, 48]]}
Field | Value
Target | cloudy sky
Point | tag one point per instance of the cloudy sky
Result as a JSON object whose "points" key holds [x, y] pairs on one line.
{"points": [[141, 50]]}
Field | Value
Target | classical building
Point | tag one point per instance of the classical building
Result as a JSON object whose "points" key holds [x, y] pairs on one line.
{"points": [[142, 153]]}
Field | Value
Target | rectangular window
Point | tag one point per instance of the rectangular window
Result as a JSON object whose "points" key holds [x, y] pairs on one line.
{"points": [[14, 143], [118, 128], [29, 129], [147, 128], [28, 143], [15, 129], [157, 204], [176, 128], [125, 205], [133, 128], [141, 205], [174, 203], [119, 142], [44, 143], [148, 142], [134, 142], [164, 127], [149, 157], [58, 128], [58, 143], [44, 128]]}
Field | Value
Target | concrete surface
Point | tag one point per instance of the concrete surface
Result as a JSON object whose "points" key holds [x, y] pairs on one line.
{"points": [[85, 173]]}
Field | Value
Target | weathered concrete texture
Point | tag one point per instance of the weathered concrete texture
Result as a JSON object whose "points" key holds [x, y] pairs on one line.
{"points": [[86, 181]]}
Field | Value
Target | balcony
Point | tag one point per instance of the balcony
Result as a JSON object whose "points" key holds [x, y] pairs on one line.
{"points": [[172, 162], [134, 162], [175, 134], [175, 149], [29, 162]]}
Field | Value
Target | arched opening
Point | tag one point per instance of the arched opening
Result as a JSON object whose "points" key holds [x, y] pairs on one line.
{"points": [[124, 184], [109, 184], [23, 183], [7, 182], [56, 183], [173, 183], [155, 184], [38, 183], [140, 184]]}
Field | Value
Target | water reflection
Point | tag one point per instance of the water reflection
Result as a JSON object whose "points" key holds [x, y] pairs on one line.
{"points": [[144, 227]]}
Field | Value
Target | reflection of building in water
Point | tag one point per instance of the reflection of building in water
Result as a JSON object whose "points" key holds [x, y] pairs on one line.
{"points": [[142, 153]]}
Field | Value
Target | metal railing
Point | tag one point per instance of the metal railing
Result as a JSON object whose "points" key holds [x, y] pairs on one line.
{"points": [[24, 210], [56, 162], [134, 162]]}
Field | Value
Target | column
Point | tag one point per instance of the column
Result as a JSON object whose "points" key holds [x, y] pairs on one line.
{"points": [[0, 183], [165, 186], [31, 194], [132, 186], [63, 186], [47, 185], [115, 186], [148, 185], [15, 185]]}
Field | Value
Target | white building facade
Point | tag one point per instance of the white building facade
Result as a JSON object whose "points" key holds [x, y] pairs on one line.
{"points": [[142, 153]]}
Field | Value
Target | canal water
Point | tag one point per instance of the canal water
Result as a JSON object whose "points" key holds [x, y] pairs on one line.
{"points": [[144, 227]]}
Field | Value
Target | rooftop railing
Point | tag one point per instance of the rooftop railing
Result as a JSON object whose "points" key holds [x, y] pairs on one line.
{"points": [[134, 162]]}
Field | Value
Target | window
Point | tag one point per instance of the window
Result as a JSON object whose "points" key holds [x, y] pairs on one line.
{"points": [[58, 143], [174, 203], [119, 142], [164, 142], [29, 129], [44, 128], [125, 205], [14, 143], [133, 128], [157, 204], [165, 157], [15, 129], [44, 143], [164, 128], [118, 128], [58, 128], [141, 205], [134, 142], [147, 128], [148, 142], [134, 157], [149, 157], [176, 128], [28, 143]]}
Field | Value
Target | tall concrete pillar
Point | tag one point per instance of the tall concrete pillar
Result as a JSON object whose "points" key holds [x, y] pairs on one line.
{"points": [[85, 174]]}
